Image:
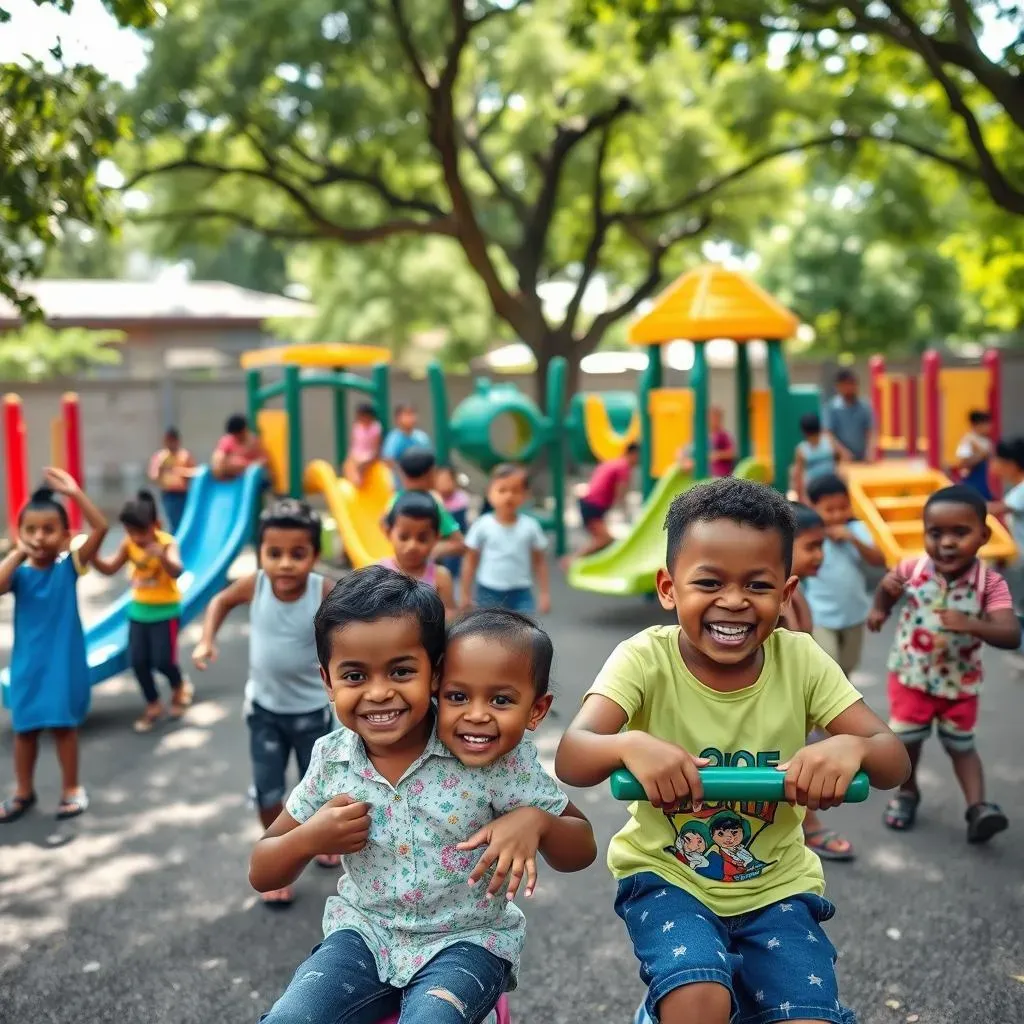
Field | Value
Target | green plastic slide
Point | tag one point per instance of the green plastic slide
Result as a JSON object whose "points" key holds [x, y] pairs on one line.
{"points": [[628, 567]]}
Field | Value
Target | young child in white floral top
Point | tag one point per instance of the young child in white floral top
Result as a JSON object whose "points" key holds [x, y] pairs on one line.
{"points": [[406, 931]]}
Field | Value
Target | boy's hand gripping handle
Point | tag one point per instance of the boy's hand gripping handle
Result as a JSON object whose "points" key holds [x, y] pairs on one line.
{"points": [[762, 784]]}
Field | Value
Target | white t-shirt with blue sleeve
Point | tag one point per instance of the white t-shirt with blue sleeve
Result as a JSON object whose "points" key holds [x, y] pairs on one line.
{"points": [[838, 595], [506, 551]]}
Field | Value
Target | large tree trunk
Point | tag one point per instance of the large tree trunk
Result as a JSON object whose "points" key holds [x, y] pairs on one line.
{"points": [[549, 345]]}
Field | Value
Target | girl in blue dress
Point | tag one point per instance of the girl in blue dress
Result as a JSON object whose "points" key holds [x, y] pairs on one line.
{"points": [[49, 675]]}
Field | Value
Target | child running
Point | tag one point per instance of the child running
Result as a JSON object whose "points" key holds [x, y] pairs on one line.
{"points": [[413, 525], [286, 708], [838, 593], [954, 605], [724, 903], [49, 683], [506, 551], [155, 610], [405, 793], [808, 554]]}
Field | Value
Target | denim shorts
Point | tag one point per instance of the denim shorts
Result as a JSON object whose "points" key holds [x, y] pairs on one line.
{"points": [[272, 739], [777, 962], [339, 984], [518, 599]]}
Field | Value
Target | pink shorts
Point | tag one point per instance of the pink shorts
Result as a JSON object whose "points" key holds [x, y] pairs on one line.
{"points": [[912, 712]]}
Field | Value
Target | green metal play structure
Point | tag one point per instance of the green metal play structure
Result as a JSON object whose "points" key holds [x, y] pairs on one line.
{"points": [[704, 305]]}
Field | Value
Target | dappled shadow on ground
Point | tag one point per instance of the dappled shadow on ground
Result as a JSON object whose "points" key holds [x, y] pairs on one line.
{"points": [[140, 913]]}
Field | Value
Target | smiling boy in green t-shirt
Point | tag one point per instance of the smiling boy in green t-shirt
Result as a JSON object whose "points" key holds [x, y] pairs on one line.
{"points": [[724, 903]]}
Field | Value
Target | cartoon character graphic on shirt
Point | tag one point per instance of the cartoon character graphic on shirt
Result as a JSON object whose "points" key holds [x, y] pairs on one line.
{"points": [[691, 848], [716, 841]]}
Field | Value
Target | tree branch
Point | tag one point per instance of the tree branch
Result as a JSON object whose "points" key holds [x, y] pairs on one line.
{"points": [[404, 33], [233, 217], [473, 137], [597, 237], [567, 136], [707, 188], [326, 227], [444, 136], [646, 288], [331, 173], [999, 187]]}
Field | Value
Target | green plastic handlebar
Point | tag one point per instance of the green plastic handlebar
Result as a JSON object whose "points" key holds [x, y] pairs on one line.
{"points": [[763, 784]]}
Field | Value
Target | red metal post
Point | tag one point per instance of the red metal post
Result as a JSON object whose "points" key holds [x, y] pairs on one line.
{"points": [[931, 364], [896, 406], [876, 371], [913, 415], [16, 448], [992, 360], [71, 414]]}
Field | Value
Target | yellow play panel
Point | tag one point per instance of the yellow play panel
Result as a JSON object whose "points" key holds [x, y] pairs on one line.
{"points": [[327, 356], [889, 499], [712, 302]]}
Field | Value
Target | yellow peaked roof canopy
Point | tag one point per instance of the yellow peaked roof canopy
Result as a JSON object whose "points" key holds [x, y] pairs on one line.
{"points": [[712, 302]]}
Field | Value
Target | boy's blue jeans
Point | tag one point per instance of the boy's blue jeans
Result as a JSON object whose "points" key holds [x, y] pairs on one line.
{"points": [[777, 962], [461, 985], [518, 599]]}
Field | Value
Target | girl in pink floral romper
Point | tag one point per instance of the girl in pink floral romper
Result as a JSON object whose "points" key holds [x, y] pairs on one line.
{"points": [[954, 605]]}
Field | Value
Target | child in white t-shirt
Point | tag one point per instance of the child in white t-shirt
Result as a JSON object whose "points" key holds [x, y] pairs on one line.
{"points": [[505, 551]]}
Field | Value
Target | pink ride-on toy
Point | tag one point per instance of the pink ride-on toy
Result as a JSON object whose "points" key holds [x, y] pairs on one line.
{"points": [[499, 1015]]}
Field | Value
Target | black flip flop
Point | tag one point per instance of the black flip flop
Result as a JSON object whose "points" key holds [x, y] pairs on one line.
{"points": [[16, 806], [985, 820], [901, 811], [73, 806]]}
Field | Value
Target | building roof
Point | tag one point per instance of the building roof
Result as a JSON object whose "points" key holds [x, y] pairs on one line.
{"points": [[712, 302], [119, 303]]}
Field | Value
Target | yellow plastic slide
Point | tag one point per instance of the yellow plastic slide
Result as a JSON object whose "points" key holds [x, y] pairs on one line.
{"points": [[357, 511], [889, 499], [605, 441]]}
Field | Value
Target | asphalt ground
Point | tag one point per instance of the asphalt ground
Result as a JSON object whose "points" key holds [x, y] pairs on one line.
{"points": [[140, 911]]}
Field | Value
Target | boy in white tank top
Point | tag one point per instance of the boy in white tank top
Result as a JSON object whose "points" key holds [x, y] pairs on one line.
{"points": [[286, 706]]}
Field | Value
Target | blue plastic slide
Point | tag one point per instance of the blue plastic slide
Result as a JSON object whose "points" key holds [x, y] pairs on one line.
{"points": [[217, 523]]}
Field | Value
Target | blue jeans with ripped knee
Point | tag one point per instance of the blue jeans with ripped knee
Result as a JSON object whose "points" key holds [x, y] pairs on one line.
{"points": [[461, 985]]}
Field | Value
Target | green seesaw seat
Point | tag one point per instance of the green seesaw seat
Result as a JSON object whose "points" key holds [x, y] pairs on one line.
{"points": [[761, 784]]}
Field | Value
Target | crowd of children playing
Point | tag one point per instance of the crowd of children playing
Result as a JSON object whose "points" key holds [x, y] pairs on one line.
{"points": [[407, 692]]}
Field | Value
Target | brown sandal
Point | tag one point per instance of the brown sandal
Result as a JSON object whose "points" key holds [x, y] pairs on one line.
{"points": [[148, 719], [181, 699]]}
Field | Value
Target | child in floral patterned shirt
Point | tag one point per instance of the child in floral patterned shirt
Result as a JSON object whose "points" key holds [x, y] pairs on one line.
{"points": [[954, 605], [405, 931]]}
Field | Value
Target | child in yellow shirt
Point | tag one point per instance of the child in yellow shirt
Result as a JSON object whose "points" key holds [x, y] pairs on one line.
{"points": [[155, 610]]}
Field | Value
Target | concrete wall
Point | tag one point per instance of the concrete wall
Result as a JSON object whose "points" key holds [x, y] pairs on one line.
{"points": [[123, 420]]}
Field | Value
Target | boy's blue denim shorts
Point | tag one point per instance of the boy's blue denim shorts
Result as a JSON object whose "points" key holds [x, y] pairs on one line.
{"points": [[777, 962], [518, 599]]}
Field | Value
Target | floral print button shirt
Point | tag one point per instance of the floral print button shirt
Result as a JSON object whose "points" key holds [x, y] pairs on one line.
{"points": [[406, 893], [927, 657]]}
